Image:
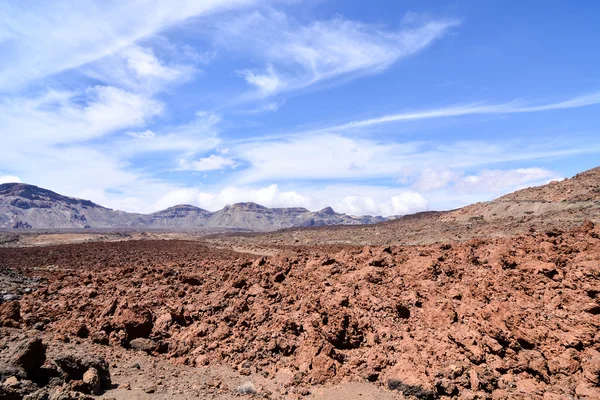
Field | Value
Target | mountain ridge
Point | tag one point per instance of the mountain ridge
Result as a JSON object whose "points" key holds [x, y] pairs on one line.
{"points": [[25, 206]]}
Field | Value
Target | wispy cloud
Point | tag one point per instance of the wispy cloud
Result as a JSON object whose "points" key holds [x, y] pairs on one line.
{"points": [[66, 117], [343, 158], [199, 135], [468, 109], [297, 56], [210, 163], [267, 82], [42, 39], [137, 68]]}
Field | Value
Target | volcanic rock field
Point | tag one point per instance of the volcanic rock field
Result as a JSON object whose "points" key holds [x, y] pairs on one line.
{"points": [[513, 315]]}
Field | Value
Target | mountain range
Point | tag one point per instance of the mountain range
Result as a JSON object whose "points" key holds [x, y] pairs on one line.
{"points": [[25, 206]]}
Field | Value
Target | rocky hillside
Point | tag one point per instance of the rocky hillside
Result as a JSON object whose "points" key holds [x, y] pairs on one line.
{"points": [[584, 186], [26, 206], [579, 195]]}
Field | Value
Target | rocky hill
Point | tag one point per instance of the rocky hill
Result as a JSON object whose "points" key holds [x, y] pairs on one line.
{"points": [[25, 206], [577, 195]]}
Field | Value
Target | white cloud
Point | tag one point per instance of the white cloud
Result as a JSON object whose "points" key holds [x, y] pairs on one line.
{"points": [[210, 163], [269, 196], [468, 109], [407, 202], [298, 55], [145, 64], [138, 69], [62, 117], [267, 107], [503, 181], [430, 179], [320, 157], [199, 135], [381, 201], [267, 82], [330, 156], [55, 36], [9, 179], [147, 134]]}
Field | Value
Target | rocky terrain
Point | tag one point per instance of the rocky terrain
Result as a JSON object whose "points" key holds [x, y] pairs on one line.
{"points": [[25, 206], [498, 300], [504, 318]]}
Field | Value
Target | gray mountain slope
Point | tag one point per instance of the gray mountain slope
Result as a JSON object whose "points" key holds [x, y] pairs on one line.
{"points": [[27, 206]]}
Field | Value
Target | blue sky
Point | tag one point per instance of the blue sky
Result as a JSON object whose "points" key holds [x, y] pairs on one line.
{"points": [[379, 107]]}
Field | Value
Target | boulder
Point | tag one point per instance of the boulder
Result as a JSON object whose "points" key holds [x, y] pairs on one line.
{"points": [[135, 324], [10, 314], [76, 365], [30, 355], [91, 378], [142, 344]]}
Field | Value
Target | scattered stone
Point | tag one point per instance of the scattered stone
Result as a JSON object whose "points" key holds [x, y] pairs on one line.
{"points": [[150, 389], [91, 378], [142, 344]]}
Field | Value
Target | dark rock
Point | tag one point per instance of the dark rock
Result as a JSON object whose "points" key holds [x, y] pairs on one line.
{"points": [[409, 390], [402, 311], [143, 344], [30, 355], [75, 366]]}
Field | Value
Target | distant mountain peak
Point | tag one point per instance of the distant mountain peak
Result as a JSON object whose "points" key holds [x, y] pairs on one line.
{"points": [[327, 211], [183, 207], [31, 196], [247, 206]]}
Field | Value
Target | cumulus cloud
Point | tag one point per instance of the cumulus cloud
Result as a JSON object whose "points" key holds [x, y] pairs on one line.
{"points": [[430, 179], [407, 202], [381, 201], [9, 179], [269, 196], [501, 181]]}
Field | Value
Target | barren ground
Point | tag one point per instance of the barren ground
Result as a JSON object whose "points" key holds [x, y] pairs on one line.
{"points": [[498, 300]]}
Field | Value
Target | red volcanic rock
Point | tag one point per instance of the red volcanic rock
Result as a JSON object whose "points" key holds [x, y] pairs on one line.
{"points": [[10, 313], [134, 324], [490, 318]]}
